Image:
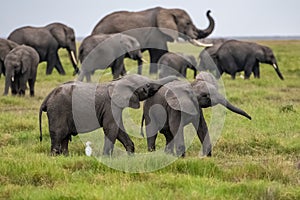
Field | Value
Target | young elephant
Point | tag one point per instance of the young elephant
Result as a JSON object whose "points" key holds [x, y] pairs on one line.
{"points": [[77, 107], [21, 66], [107, 50], [176, 64], [177, 104]]}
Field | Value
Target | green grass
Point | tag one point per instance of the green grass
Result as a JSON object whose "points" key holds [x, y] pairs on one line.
{"points": [[254, 159]]}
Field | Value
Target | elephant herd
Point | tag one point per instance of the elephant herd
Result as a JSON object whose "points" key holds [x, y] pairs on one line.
{"points": [[169, 103]]}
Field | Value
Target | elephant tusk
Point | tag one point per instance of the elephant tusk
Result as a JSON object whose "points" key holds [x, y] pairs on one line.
{"points": [[73, 58], [13, 79], [275, 66], [199, 44], [144, 61]]}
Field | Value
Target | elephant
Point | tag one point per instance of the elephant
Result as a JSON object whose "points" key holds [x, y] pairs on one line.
{"points": [[176, 64], [21, 66], [179, 103], [5, 47], [106, 50], [46, 41], [79, 107], [235, 56], [153, 28]]}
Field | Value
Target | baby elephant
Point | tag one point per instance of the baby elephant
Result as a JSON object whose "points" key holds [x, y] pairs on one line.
{"points": [[107, 50], [21, 66], [176, 64], [179, 103], [77, 107]]}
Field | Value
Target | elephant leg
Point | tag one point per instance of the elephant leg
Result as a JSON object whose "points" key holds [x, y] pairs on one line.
{"points": [[249, 67], [111, 131], [256, 71], [140, 67], [31, 83], [203, 135], [179, 141], [65, 145], [155, 55], [169, 149], [125, 139], [151, 133], [117, 67], [54, 61], [55, 143], [22, 85]]}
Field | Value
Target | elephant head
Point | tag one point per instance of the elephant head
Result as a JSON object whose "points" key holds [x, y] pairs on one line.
{"points": [[177, 23], [131, 89], [200, 93], [266, 55], [65, 37], [131, 46]]}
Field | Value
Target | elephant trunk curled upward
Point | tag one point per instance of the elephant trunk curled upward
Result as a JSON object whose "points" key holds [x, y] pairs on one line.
{"points": [[153, 28], [179, 103], [77, 107]]}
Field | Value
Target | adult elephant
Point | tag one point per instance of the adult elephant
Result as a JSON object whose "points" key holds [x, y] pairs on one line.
{"points": [[5, 47], [46, 41], [153, 28], [176, 64], [21, 66], [107, 50], [78, 107], [235, 56], [179, 103]]}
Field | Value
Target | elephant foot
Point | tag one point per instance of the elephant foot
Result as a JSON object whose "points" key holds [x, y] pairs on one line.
{"points": [[180, 151]]}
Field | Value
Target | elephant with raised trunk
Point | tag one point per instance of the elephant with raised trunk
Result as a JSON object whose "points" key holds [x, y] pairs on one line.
{"points": [[153, 28], [176, 64], [235, 56], [107, 50], [5, 47], [21, 66], [46, 41], [78, 107], [179, 103]]}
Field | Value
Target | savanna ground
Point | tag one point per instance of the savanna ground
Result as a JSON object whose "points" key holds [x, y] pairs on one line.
{"points": [[254, 159]]}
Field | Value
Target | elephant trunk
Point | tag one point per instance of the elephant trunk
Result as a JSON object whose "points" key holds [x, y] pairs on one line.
{"points": [[209, 29], [73, 58], [278, 71], [232, 108], [9, 78], [155, 85]]}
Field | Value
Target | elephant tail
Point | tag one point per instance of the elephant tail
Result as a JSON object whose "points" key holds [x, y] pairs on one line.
{"points": [[142, 125]]}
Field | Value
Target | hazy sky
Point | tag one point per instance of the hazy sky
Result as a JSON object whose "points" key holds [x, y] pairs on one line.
{"points": [[233, 17]]}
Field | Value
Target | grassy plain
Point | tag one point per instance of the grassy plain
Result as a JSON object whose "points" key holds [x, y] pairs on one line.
{"points": [[254, 159]]}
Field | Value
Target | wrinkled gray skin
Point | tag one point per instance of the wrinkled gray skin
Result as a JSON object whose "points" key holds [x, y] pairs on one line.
{"points": [[21, 66], [235, 56], [176, 64], [5, 47], [183, 103], [78, 107], [205, 56], [107, 50], [46, 41], [167, 25]]}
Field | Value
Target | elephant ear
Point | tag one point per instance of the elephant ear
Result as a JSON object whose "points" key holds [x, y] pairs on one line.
{"points": [[166, 23], [60, 35], [122, 94], [181, 97]]}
